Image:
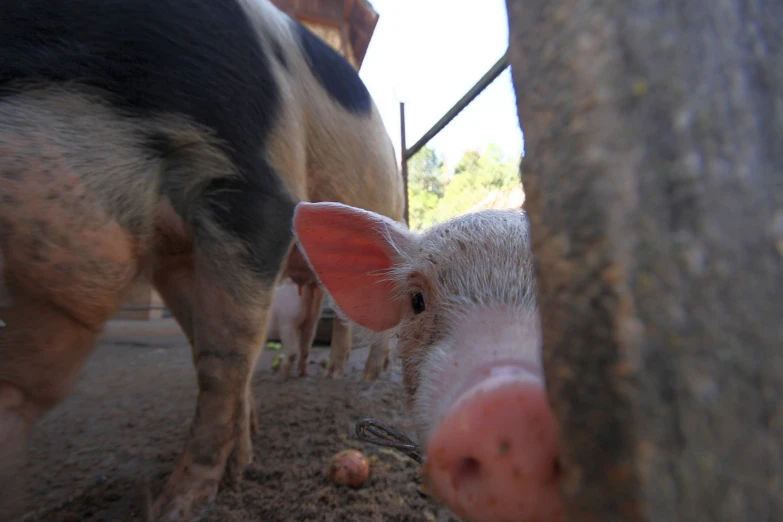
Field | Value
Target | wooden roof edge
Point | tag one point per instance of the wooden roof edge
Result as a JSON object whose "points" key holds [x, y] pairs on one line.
{"points": [[362, 20], [357, 20]]}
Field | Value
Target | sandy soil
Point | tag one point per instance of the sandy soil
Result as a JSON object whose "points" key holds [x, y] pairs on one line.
{"points": [[125, 421]]}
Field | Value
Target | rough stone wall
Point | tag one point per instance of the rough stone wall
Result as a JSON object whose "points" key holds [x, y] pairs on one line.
{"points": [[654, 183]]}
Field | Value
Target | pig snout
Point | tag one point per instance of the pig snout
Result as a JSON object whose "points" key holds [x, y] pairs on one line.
{"points": [[493, 456], [492, 452]]}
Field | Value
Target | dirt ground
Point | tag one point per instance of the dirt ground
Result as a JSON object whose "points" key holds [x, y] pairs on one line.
{"points": [[125, 421]]}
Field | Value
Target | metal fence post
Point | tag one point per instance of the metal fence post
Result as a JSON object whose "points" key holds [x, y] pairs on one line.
{"points": [[404, 161]]}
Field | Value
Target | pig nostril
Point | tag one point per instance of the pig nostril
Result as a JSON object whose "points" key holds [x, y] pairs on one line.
{"points": [[467, 470], [556, 469], [469, 466]]}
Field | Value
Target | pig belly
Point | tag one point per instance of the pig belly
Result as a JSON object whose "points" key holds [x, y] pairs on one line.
{"points": [[285, 310]]}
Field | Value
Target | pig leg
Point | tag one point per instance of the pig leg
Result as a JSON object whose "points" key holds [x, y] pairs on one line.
{"points": [[231, 297], [13, 433], [291, 331], [174, 280], [289, 338], [42, 350], [377, 360], [67, 265], [5, 299], [307, 327], [340, 348]]}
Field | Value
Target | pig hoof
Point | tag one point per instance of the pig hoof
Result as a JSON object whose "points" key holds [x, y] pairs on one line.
{"points": [[371, 374], [234, 468], [190, 491], [335, 373], [331, 371], [241, 457]]}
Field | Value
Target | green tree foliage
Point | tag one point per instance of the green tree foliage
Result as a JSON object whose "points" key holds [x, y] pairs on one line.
{"points": [[426, 186], [433, 197], [475, 176]]}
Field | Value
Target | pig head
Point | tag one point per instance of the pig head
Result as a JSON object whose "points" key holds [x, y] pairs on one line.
{"points": [[460, 299]]}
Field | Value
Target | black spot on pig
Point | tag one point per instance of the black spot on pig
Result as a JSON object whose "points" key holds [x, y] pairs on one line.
{"points": [[252, 212], [203, 60], [334, 73]]}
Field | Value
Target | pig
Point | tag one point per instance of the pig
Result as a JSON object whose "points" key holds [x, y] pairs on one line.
{"points": [[293, 320], [170, 139], [296, 270], [340, 350], [460, 302]]}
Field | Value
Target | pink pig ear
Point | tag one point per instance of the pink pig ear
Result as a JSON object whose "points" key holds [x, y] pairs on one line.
{"points": [[349, 251]]}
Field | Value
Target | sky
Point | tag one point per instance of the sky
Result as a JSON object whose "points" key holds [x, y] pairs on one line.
{"points": [[429, 53]]}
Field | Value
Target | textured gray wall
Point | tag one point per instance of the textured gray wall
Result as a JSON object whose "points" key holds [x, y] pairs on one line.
{"points": [[654, 180]]}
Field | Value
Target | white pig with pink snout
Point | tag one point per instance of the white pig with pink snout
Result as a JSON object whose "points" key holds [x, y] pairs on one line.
{"points": [[460, 301]]}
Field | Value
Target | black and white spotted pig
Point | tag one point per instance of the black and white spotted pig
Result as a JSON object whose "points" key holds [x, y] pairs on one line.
{"points": [[172, 137]]}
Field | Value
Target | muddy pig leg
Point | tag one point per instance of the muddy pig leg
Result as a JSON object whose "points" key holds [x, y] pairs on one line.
{"points": [[288, 311], [307, 327], [174, 279], [67, 265], [5, 298], [236, 262], [377, 359], [43, 349], [289, 338], [340, 348]]}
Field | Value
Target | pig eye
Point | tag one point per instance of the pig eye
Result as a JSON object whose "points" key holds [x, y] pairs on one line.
{"points": [[417, 303]]}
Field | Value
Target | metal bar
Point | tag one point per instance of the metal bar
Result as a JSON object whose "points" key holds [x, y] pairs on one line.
{"points": [[474, 91], [404, 162]]}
